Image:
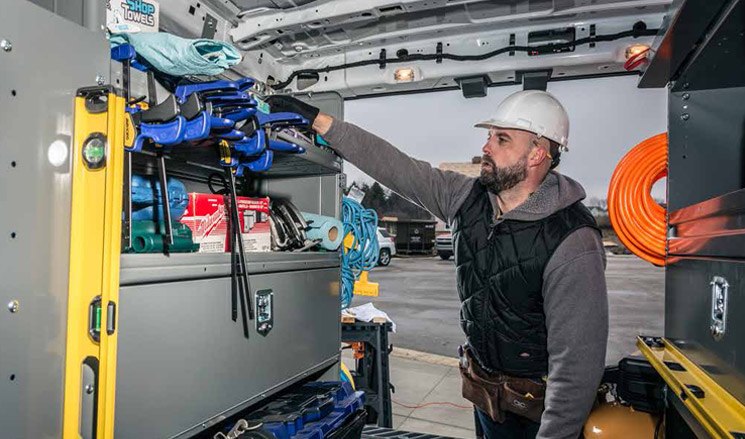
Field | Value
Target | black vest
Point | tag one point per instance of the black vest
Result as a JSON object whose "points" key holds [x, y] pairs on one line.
{"points": [[499, 272]]}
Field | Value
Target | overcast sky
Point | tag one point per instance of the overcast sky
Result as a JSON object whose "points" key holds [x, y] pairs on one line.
{"points": [[607, 116]]}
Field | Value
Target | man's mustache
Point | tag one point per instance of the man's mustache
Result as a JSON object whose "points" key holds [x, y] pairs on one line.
{"points": [[487, 159]]}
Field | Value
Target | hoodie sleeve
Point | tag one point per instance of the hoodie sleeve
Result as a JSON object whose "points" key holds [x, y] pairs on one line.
{"points": [[440, 192], [576, 308]]}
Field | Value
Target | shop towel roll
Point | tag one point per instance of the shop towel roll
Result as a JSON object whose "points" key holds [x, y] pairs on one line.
{"points": [[325, 228]]}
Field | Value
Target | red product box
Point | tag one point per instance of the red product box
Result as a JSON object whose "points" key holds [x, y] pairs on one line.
{"points": [[208, 220]]}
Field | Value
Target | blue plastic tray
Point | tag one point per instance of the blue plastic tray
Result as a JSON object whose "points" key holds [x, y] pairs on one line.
{"points": [[312, 412]]}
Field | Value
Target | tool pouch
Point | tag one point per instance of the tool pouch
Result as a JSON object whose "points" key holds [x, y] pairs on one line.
{"points": [[481, 389], [515, 400], [495, 394]]}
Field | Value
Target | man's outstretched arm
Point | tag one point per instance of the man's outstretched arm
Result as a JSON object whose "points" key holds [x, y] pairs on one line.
{"points": [[440, 192]]}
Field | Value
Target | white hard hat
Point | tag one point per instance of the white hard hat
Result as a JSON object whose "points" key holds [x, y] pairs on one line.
{"points": [[532, 110]]}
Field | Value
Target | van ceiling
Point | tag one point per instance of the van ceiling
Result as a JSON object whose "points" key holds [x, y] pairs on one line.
{"points": [[306, 34]]}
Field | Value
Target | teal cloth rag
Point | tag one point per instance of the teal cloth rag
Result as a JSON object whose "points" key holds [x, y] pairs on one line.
{"points": [[178, 56]]}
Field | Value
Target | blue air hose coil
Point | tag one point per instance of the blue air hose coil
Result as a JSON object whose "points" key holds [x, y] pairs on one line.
{"points": [[363, 255]]}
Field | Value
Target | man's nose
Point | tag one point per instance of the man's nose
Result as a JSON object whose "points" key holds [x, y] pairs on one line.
{"points": [[485, 148]]}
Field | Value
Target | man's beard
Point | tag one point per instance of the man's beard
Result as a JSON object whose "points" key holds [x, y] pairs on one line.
{"points": [[497, 179]]}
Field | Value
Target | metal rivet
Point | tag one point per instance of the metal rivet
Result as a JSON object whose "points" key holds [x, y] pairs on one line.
{"points": [[685, 116], [686, 85], [686, 96], [14, 306], [89, 389], [6, 45], [100, 79]]}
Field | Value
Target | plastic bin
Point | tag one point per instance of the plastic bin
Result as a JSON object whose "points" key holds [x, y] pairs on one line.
{"points": [[316, 410]]}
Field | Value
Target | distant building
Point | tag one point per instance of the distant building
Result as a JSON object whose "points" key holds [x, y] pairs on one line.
{"points": [[472, 169]]}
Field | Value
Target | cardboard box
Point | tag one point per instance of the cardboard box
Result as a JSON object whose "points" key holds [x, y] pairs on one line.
{"points": [[207, 217], [253, 214]]}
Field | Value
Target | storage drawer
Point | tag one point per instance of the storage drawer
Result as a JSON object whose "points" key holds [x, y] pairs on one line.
{"points": [[690, 286], [182, 362]]}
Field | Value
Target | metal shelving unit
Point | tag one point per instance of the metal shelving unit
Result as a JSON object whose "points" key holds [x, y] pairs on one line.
{"points": [[174, 310], [197, 161]]}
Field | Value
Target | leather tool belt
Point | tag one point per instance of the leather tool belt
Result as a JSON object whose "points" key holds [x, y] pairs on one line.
{"points": [[497, 393]]}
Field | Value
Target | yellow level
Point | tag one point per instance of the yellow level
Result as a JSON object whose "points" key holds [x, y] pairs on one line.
{"points": [[718, 412], [95, 246]]}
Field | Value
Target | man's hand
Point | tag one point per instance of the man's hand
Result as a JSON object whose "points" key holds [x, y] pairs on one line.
{"points": [[282, 103]]}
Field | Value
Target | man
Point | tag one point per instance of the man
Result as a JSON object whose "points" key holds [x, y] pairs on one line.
{"points": [[529, 263]]}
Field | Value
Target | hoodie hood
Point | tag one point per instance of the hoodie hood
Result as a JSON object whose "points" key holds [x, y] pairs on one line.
{"points": [[555, 193]]}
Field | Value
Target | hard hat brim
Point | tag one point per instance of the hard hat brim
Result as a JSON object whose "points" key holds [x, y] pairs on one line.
{"points": [[493, 123]]}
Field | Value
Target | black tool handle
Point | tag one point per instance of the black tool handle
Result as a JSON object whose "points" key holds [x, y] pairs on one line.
{"points": [[165, 199], [244, 287], [238, 236], [127, 201]]}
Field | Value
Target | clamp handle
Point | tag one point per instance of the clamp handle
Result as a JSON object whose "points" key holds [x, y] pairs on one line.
{"points": [[281, 145], [199, 128], [282, 119], [239, 114], [183, 91], [170, 133], [253, 145], [260, 164]]}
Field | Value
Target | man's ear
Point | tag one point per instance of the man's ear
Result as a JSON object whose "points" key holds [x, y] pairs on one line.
{"points": [[538, 153]]}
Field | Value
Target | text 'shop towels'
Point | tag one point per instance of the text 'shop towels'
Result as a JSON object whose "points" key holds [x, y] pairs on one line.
{"points": [[178, 56]]}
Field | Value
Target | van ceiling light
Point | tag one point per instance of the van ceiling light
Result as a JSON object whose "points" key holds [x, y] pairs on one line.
{"points": [[636, 49], [404, 74]]}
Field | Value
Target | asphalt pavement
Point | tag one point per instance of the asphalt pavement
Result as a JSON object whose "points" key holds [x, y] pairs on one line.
{"points": [[419, 294]]}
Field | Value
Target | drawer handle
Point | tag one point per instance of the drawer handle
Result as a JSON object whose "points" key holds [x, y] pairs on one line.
{"points": [[719, 299]]}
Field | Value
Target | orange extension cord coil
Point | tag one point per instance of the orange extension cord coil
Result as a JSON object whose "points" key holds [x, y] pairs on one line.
{"points": [[636, 217]]}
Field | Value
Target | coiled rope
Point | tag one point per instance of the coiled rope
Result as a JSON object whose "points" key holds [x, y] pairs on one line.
{"points": [[362, 254]]}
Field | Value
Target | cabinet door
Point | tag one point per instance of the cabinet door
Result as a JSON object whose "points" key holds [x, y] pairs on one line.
{"points": [[183, 363]]}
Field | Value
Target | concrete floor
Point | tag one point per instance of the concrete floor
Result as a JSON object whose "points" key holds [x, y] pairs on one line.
{"points": [[418, 293], [427, 397]]}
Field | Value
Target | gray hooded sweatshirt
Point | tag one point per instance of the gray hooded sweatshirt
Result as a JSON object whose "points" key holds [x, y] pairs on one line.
{"points": [[574, 289]]}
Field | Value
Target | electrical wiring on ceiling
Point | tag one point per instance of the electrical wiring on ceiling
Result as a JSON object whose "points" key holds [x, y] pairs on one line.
{"points": [[639, 30]]}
